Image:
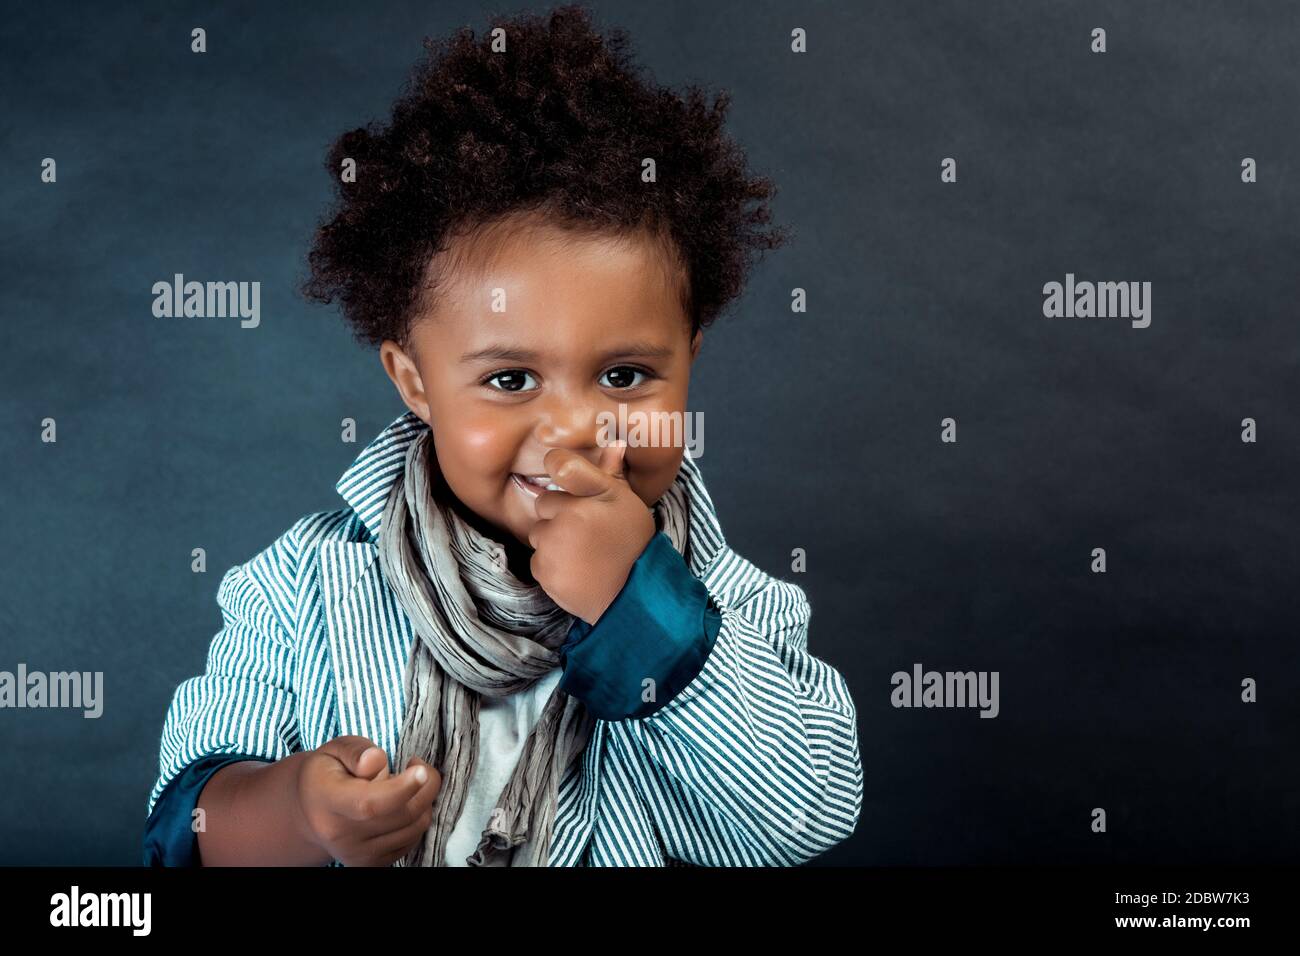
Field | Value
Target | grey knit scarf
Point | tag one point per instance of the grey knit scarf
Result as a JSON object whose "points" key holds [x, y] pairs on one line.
{"points": [[480, 631]]}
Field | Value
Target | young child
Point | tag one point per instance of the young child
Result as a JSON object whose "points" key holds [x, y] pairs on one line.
{"points": [[525, 641]]}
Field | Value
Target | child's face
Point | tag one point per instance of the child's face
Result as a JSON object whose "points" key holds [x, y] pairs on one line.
{"points": [[585, 327]]}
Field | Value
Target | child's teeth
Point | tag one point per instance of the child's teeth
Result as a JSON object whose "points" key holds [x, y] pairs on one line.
{"points": [[553, 487]]}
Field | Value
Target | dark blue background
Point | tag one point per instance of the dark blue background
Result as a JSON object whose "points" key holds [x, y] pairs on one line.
{"points": [[1118, 690]]}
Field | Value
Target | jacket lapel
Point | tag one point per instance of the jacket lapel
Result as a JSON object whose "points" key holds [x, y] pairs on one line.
{"points": [[369, 637], [369, 641]]}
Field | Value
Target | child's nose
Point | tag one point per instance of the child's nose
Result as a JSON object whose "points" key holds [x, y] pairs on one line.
{"points": [[571, 425]]}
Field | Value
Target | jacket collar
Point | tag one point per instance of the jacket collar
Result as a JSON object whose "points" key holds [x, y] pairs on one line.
{"points": [[367, 481]]}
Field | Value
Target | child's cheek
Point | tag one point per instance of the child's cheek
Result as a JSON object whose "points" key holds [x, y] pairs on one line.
{"points": [[651, 471], [475, 458], [484, 444], [479, 444]]}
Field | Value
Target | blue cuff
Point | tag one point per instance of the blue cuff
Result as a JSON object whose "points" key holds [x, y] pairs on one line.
{"points": [[661, 626], [169, 837]]}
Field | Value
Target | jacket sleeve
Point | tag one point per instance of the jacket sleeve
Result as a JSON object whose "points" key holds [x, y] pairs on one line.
{"points": [[243, 705], [648, 645], [756, 761], [170, 837]]}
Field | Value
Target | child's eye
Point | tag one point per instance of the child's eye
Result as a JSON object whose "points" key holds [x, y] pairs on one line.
{"points": [[512, 381], [622, 376]]}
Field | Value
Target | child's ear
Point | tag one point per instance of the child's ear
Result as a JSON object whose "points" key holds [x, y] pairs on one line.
{"points": [[696, 342], [401, 369]]}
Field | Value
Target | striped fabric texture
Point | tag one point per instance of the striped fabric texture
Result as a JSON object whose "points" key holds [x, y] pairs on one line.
{"points": [[754, 763]]}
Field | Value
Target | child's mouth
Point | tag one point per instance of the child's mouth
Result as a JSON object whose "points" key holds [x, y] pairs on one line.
{"points": [[533, 485]]}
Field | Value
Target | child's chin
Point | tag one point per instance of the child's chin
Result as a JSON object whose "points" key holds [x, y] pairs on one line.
{"points": [[519, 522]]}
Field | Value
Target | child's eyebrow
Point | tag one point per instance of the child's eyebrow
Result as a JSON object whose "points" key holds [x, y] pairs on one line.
{"points": [[643, 349], [500, 352], [510, 354]]}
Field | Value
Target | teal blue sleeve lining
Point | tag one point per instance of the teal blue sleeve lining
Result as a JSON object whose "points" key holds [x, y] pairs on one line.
{"points": [[169, 839], [661, 627]]}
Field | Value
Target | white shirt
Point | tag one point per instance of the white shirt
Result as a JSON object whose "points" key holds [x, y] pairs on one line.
{"points": [[504, 724]]}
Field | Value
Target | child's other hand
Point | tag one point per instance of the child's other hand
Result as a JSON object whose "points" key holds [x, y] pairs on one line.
{"points": [[590, 534], [352, 807]]}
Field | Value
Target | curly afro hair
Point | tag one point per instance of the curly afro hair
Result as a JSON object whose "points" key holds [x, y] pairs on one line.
{"points": [[557, 125]]}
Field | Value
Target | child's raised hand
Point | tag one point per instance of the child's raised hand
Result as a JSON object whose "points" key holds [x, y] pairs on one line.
{"points": [[589, 535], [352, 807]]}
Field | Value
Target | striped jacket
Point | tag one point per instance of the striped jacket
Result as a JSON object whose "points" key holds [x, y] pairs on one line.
{"points": [[755, 762]]}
